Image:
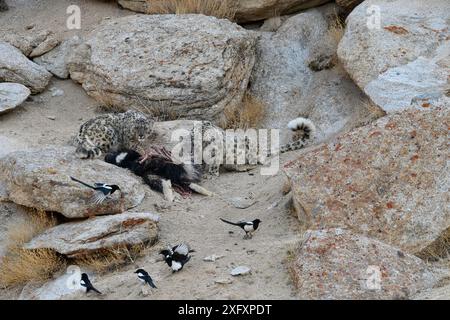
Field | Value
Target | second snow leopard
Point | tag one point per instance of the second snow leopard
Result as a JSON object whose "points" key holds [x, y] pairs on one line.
{"points": [[200, 142]]}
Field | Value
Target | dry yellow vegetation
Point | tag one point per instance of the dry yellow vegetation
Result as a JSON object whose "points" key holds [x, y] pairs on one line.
{"points": [[220, 9]]}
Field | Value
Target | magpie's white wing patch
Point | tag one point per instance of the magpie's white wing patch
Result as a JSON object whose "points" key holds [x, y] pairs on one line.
{"points": [[248, 227], [99, 197], [182, 249]]}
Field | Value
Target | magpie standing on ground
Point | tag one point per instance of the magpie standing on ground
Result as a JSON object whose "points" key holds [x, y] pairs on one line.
{"points": [[145, 277], [103, 190], [177, 256], [248, 226], [85, 282]]}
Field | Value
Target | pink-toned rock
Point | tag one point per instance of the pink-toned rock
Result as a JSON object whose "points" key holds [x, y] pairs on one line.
{"points": [[388, 180], [336, 264]]}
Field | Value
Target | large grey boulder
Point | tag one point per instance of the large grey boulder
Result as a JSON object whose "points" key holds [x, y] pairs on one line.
{"points": [[245, 10], [398, 51], [338, 264], [81, 238], [12, 95], [56, 60], [15, 67], [388, 180], [40, 179], [296, 74], [189, 65]]}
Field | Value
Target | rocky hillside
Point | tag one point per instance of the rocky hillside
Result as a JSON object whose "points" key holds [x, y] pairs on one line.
{"points": [[361, 212]]}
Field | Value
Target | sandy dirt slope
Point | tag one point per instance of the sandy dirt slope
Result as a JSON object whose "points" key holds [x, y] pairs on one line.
{"points": [[195, 220], [52, 15]]}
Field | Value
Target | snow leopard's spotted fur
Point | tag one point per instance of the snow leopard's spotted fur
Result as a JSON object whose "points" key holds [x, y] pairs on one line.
{"points": [[304, 130], [112, 131]]}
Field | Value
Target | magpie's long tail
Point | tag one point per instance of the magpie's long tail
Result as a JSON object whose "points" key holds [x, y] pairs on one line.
{"points": [[229, 222], [151, 284], [83, 183], [93, 289]]}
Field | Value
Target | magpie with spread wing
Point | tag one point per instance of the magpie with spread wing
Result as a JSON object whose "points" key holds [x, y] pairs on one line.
{"points": [[103, 190], [177, 256]]}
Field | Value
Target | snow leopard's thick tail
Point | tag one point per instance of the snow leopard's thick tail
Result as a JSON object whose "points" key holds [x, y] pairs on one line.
{"points": [[304, 130]]}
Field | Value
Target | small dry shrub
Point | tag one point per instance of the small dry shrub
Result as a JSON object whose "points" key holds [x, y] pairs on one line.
{"points": [[19, 265], [336, 29], [248, 114], [110, 259]]}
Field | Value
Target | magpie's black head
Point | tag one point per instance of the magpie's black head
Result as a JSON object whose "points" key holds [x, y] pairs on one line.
{"points": [[114, 188], [165, 252], [256, 223], [140, 271], [84, 277]]}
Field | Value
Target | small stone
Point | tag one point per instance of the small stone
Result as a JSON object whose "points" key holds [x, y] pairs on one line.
{"points": [[223, 281], [212, 258], [56, 92], [51, 117], [242, 203], [240, 271]]}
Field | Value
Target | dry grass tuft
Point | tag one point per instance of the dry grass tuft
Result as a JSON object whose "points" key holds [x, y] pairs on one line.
{"points": [[336, 29], [439, 249], [110, 259], [19, 265], [220, 9], [161, 112], [249, 114]]}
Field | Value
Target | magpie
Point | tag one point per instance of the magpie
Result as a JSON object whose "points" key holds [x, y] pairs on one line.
{"points": [[85, 282], [145, 277], [103, 190], [177, 256], [248, 226]]}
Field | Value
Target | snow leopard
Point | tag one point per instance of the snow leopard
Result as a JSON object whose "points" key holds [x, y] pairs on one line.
{"points": [[304, 130], [113, 131]]}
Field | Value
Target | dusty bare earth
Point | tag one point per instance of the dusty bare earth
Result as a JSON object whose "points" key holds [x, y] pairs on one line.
{"points": [[195, 220], [46, 120]]}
